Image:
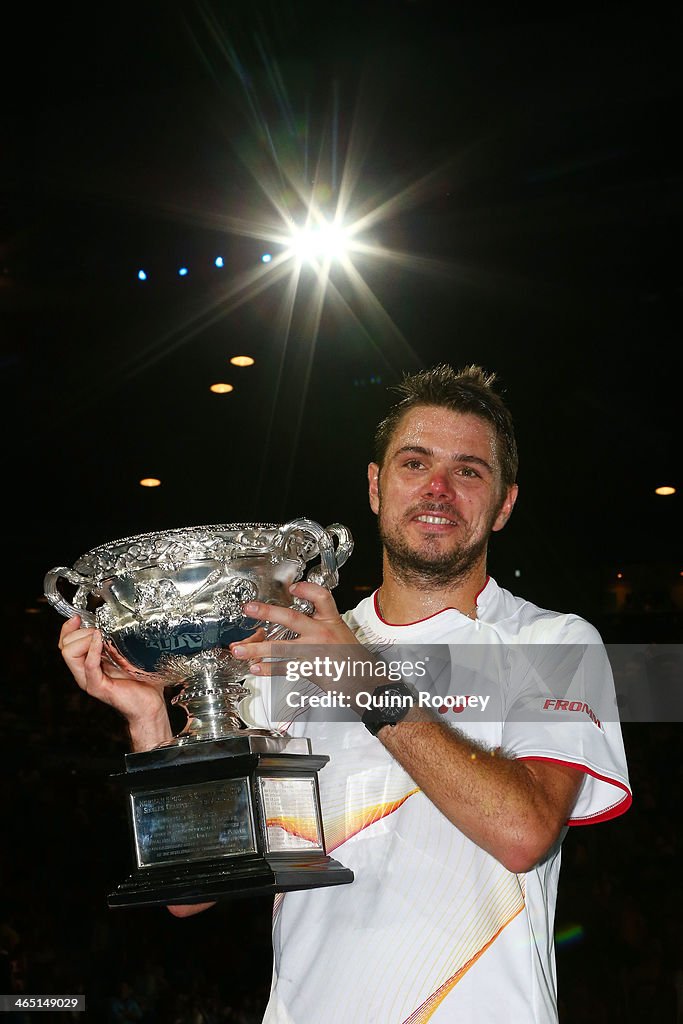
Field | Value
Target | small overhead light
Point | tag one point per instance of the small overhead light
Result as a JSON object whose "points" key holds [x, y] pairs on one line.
{"points": [[219, 262], [142, 276], [665, 490], [242, 361], [150, 481], [266, 258], [183, 272], [620, 575], [221, 389]]}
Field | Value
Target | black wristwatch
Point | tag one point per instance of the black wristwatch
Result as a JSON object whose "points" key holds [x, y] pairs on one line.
{"points": [[391, 703]]}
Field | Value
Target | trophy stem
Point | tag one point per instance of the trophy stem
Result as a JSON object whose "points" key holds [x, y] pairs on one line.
{"points": [[212, 713]]}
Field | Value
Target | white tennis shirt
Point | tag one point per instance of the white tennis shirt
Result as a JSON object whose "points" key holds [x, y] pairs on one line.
{"points": [[433, 928]]}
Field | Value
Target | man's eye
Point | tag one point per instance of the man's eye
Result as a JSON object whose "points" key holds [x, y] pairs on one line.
{"points": [[468, 471], [413, 464]]}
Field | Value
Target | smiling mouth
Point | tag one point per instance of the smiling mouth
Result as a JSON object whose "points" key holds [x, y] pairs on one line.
{"points": [[434, 520]]}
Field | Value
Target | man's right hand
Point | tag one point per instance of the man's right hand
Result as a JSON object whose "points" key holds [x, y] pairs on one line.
{"points": [[142, 703]]}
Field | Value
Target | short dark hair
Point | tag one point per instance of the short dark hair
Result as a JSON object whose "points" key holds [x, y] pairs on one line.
{"points": [[469, 390]]}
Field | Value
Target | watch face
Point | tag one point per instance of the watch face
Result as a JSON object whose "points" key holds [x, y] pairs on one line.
{"points": [[391, 703]]}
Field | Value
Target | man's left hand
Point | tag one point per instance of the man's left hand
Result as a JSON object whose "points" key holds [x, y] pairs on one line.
{"points": [[325, 626]]}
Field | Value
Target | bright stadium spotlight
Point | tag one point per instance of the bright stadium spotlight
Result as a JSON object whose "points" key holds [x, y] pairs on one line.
{"points": [[322, 241]]}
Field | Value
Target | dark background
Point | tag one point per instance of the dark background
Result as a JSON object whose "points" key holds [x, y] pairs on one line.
{"points": [[537, 162], [546, 231]]}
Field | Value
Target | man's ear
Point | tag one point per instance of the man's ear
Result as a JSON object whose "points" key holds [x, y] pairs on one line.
{"points": [[373, 486], [506, 508]]}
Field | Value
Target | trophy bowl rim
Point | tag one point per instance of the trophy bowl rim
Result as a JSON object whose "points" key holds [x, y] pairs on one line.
{"points": [[106, 555], [215, 527]]}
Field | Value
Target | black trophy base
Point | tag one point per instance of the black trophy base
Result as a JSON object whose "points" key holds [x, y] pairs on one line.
{"points": [[214, 881], [226, 818]]}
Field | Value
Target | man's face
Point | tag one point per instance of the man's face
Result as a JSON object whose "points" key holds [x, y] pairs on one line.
{"points": [[439, 494]]}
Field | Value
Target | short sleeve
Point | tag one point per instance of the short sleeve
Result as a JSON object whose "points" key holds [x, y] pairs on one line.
{"points": [[561, 706]]}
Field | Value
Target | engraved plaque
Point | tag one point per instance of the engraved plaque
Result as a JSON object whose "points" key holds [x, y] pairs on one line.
{"points": [[290, 810], [193, 822]]}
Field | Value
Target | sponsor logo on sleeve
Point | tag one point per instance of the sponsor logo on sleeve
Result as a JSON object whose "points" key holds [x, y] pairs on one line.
{"points": [[555, 704]]}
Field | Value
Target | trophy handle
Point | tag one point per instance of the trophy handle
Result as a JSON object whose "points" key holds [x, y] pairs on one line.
{"points": [[344, 542], [58, 601], [330, 557]]}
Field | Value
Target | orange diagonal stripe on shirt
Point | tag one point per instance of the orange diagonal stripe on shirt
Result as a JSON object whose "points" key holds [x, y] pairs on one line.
{"points": [[425, 1011], [341, 829]]}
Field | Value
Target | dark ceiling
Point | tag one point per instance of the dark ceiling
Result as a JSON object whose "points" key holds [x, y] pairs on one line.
{"points": [[538, 165]]}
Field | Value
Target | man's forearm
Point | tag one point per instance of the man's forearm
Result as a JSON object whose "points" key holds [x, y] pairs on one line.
{"points": [[499, 802]]}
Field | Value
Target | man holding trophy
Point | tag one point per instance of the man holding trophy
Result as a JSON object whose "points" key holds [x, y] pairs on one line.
{"points": [[450, 808]]}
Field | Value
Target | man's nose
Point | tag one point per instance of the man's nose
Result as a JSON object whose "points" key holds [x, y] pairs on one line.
{"points": [[439, 484]]}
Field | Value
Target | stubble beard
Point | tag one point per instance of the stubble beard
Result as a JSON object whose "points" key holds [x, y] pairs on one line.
{"points": [[429, 566]]}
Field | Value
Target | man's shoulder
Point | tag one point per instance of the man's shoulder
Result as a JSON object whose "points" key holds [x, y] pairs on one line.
{"points": [[521, 619], [360, 615]]}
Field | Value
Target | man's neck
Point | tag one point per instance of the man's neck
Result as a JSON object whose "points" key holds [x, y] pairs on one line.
{"points": [[401, 602]]}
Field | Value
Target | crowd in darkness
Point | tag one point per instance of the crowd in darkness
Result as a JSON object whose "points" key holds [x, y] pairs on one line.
{"points": [[66, 845]]}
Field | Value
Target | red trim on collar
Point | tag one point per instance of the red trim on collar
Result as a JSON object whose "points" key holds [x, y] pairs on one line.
{"points": [[449, 608]]}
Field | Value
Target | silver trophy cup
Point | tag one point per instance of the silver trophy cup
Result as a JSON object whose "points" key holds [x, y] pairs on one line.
{"points": [[207, 807]]}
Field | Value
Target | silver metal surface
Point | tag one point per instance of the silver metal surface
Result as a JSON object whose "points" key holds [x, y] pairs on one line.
{"points": [[170, 603]]}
